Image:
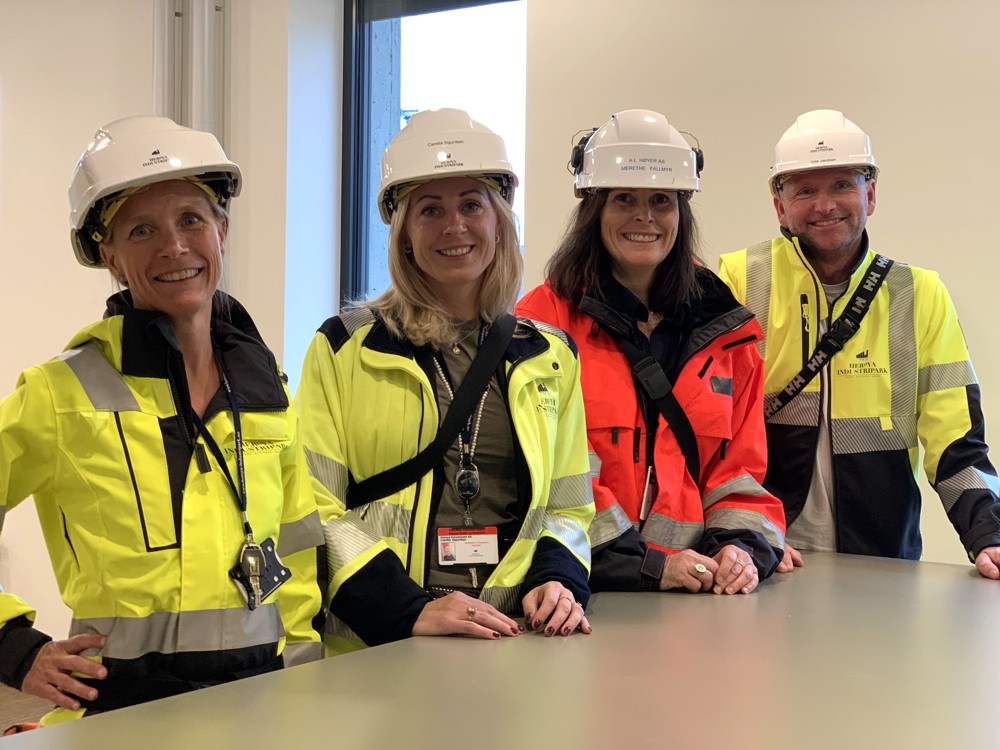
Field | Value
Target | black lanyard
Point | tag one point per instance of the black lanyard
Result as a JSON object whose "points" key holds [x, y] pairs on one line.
{"points": [[839, 333], [240, 492]]}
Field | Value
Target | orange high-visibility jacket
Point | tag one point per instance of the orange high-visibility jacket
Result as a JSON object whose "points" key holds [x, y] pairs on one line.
{"points": [[719, 384]]}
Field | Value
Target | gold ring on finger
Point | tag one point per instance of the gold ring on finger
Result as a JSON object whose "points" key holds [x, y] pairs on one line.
{"points": [[471, 612], [699, 568]]}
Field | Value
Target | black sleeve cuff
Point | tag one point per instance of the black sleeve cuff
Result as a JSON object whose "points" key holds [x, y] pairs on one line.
{"points": [[380, 602], [626, 563], [976, 517], [553, 562], [652, 569], [19, 645]]}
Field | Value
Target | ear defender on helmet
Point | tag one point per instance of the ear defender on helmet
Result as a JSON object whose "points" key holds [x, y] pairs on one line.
{"points": [[576, 155], [636, 148]]}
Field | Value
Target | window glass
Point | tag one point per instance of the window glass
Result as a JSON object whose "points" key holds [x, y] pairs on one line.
{"points": [[470, 58]]}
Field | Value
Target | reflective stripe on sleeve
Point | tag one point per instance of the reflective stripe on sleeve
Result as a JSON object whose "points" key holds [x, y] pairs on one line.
{"points": [[570, 492], [595, 464], [671, 534], [533, 524], [969, 478], [102, 383], [332, 474], [185, 632], [299, 535], [608, 524], [740, 518], [570, 533], [346, 538], [944, 377], [388, 520], [744, 484]]}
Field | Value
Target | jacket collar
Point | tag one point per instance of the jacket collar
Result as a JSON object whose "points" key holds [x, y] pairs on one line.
{"points": [[149, 348], [701, 316], [526, 342], [862, 249]]}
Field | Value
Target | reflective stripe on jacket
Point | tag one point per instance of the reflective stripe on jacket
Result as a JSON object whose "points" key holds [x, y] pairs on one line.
{"points": [[367, 406], [719, 386], [905, 375], [140, 538]]}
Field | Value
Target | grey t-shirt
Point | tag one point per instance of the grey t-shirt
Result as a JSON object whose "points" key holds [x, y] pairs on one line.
{"points": [[815, 529], [496, 503]]}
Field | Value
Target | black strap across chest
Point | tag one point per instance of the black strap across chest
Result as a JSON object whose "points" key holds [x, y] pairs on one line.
{"points": [[476, 381], [841, 331]]}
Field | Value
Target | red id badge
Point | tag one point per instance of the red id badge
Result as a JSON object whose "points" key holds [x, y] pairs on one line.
{"points": [[468, 545]]}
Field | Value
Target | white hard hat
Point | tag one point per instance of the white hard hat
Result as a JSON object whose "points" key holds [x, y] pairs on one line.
{"points": [[636, 148], [821, 139], [137, 151], [442, 143]]}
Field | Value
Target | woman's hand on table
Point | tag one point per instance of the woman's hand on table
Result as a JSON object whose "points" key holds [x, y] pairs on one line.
{"points": [[460, 614], [553, 608]]}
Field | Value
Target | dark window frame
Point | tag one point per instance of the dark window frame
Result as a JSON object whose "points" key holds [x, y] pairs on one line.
{"points": [[356, 150]]}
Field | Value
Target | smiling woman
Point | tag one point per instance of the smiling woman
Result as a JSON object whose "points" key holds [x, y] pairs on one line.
{"points": [[451, 230], [431, 417], [166, 243], [132, 443], [668, 360]]}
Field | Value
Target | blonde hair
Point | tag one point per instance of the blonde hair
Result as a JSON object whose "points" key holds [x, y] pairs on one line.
{"points": [[409, 307]]}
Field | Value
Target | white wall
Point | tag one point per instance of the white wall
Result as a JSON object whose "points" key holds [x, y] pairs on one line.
{"points": [[919, 76]]}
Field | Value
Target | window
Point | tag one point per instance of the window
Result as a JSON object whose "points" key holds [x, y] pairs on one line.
{"points": [[402, 56]]}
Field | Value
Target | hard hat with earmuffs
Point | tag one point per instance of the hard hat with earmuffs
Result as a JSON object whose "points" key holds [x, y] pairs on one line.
{"points": [[136, 151], [636, 148]]}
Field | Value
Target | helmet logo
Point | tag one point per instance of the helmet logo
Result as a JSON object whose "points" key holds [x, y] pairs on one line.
{"points": [[155, 157]]}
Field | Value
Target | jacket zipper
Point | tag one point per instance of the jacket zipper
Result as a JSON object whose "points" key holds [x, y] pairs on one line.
{"points": [[804, 308]]}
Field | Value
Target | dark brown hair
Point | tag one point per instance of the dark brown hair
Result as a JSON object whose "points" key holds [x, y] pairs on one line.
{"points": [[581, 260]]}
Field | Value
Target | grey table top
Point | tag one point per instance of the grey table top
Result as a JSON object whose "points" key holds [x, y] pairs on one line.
{"points": [[846, 652]]}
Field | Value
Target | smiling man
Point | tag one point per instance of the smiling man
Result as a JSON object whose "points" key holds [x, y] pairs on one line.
{"points": [[863, 357]]}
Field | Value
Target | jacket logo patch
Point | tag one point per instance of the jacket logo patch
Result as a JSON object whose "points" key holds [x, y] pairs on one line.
{"points": [[548, 405], [258, 447], [862, 367], [721, 385]]}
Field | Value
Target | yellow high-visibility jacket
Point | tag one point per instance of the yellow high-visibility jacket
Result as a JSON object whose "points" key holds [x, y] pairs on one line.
{"points": [[140, 522], [368, 405], [905, 375]]}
